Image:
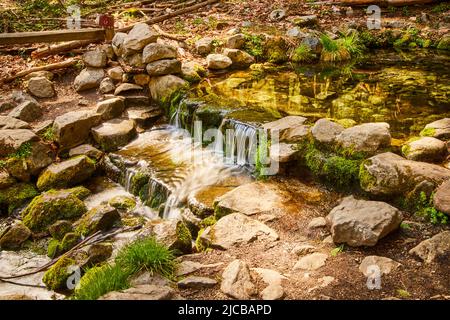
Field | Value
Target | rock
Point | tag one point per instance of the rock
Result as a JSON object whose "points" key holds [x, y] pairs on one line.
{"points": [[117, 43], [283, 152], [111, 108], [362, 223], [390, 174], [296, 33], [99, 252], [204, 45], [326, 131], [14, 237], [41, 87], [137, 101], [114, 134], [124, 87], [251, 198], [107, 86], [439, 129], [367, 138], [116, 73], [239, 58], [273, 279], [303, 249], [318, 222], [122, 202], [14, 196], [163, 67], [86, 150], [384, 264], [141, 79], [193, 282], [277, 15], [66, 173], [6, 104], [296, 134], [144, 117], [88, 78], [50, 207], [20, 97], [5, 179], [235, 229], [235, 41], [60, 228], [7, 122], [285, 126], [174, 234], [95, 59], [441, 199], [42, 127], [218, 61], [140, 36], [142, 292], [46, 74], [134, 60], [192, 71], [434, 249], [163, 87], [311, 261], [304, 21], [187, 267], [158, 51], [73, 128], [27, 111], [12, 139], [100, 218], [426, 149], [237, 282]]}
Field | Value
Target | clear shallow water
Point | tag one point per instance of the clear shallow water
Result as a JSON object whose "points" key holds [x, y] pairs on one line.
{"points": [[405, 89]]}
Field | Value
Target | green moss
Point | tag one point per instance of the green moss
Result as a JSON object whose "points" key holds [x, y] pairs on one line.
{"points": [[51, 206], [444, 44], [138, 180], [200, 245], [184, 238], [56, 277], [342, 172], [428, 132], [122, 202], [16, 195], [424, 208], [80, 192], [208, 221], [23, 152], [254, 45], [365, 178], [49, 134], [100, 218], [53, 248]]}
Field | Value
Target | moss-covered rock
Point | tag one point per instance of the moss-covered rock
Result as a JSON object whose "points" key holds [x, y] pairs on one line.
{"points": [[444, 43], [56, 277], [51, 206], [172, 233], [15, 196], [14, 237], [122, 202], [56, 248], [80, 192], [66, 173], [101, 218], [59, 229], [276, 50]]}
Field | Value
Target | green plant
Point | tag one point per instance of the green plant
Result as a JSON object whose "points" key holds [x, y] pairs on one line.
{"points": [[302, 53], [405, 226], [23, 152], [425, 208], [197, 21], [49, 134], [405, 11], [333, 50], [402, 293], [149, 255], [352, 44], [441, 7], [254, 45], [337, 250]]}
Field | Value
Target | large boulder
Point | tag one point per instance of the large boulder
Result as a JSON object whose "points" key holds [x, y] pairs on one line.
{"points": [[326, 131], [237, 281], [240, 59], [117, 43], [41, 87], [426, 149], [7, 122], [158, 51], [14, 237], [439, 129], [26, 111], [114, 134], [95, 58], [12, 139], [111, 108], [362, 223], [366, 138], [101, 218], [434, 249], [50, 207], [161, 88], [389, 174], [236, 229], [163, 67], [441, 198], [218, 61], [67, 173], [73, 128], [140, 36], [88, 78]]}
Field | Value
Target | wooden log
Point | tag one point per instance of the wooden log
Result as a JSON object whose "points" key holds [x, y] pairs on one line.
{"points": [[384, 3], [168, 35], [59, 48], [51, 36], [172, 14], [48, 67]]}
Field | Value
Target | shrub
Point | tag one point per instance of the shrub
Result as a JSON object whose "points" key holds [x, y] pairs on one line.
{"points": [[302, 53]]}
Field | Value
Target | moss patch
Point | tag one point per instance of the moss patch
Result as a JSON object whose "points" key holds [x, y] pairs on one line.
{"points": [[56, 277], [16, 195]]}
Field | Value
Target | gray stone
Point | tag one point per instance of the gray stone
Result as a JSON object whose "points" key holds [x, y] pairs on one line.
{"points": [[7, 122], [41, 127], [163, 67], [277, 15], [193, 282], [361, 222], [235, 41], [435, 249], [88, 78], [326, 131], [187, 267], [237, 282], [125, 87], [134, 60], [142, 292], [164, 86], [14, 237], [111, 108], [107, 86], [296, 33], [283, 152], [304, 21], [303, 249], [117, 43], [285, 126], [86, 150], [171, 233], [41, 87], [114, 134], [273, 279], [318, 222], [239, 58], [192, 71], [311, 261], [439, 129], [218, 61], [441, 198], [426, 149], [116, 73], [140, 36], [158, 51], [12, 139], [367, 138], [27, 111], [204, 45], [384, 264], [46, 74], [95, 59]]}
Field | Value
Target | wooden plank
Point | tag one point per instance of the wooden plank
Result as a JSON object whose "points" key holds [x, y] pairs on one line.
{"points": [[51, 36]]}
